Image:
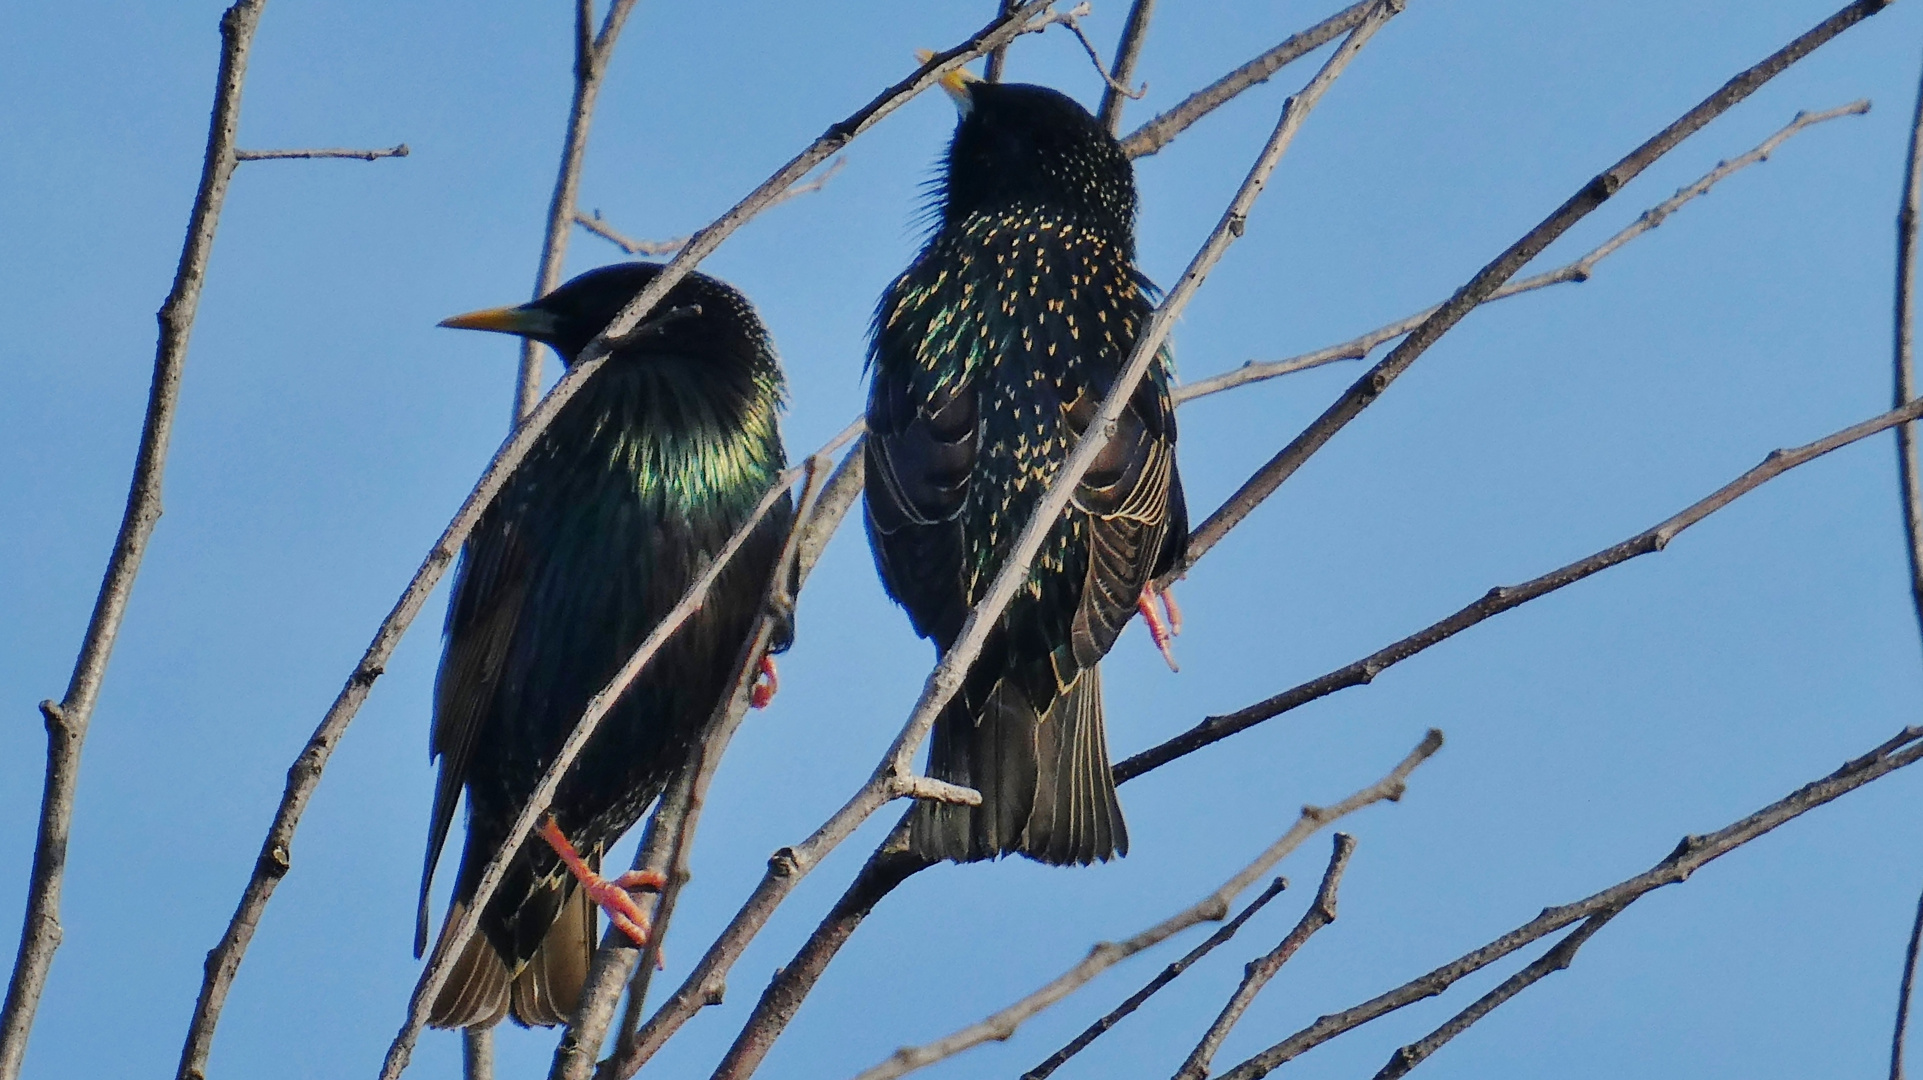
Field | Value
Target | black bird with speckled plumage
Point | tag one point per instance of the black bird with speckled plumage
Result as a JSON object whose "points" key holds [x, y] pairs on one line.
{"points": [[989, 357], [642, 478]]}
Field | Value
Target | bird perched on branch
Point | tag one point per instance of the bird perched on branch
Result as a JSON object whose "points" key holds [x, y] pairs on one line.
{"points": [[643, 477], [990, 356]]}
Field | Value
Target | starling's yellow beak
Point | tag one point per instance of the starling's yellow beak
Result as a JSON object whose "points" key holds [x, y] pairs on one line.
{"points": [[955, 83], [527, 321]]}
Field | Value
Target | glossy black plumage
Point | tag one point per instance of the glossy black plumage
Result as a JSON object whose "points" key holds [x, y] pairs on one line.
{"points": [[643, 476], [989, 357]]}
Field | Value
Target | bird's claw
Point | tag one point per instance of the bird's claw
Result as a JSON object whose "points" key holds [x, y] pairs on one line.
{"points": [[766, 683], [614, 897], [1159, 628]]}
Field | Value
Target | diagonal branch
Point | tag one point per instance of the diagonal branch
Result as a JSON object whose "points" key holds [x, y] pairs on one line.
{"points": [[1578, 270], [67, 721], [1556, 959], [1690, 855], [1211, 908], [1162, 978], [1905, 993], [1259, 971], [1162, 130], [592, 53], [787, 866], [1127, 52], [1369, 387], [598, 226], [1503, 598]]}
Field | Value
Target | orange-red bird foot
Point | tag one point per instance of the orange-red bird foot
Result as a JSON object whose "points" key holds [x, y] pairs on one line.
{"points": [[614, 897], [1159, 629], [766, 684]]}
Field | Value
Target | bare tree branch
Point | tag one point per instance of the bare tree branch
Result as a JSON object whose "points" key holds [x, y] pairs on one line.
{"points": [[1111, 84], [304, 776], [1162, 978], [1211, 908], [477, 1053], [788, 865], [1162, 130], [998, 56], [1369, 387], [1578, 270], [592, 53], [68, 720], [1503, 598], [1690, 855], [1127, 52], [1556, 959], [599, 227], [1905, 994], [328, 152], [1260, 970], [1908, 479], [1910, 472]]}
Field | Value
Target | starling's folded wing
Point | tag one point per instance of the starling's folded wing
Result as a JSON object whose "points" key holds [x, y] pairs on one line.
{"points": [[919, 462], [488, 593], [1137, 514]]}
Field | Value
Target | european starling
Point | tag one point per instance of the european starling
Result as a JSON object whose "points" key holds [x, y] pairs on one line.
{"points": [[990, 356], [642, 478]]}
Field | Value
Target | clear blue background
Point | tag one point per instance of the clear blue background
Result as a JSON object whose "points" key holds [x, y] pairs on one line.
{"points": [[328, 430]]}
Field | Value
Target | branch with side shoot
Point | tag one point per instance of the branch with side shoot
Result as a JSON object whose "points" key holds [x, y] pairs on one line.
{"points": [[1690, 855], [1576, 271]]}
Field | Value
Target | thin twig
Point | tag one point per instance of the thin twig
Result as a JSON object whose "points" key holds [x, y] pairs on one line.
{"points": [[1909, 470], [1112, 85], [1262, 969], [1211, 908], [1556, 959], [67, 721], [1503, 598], [1578, 270], [779, 1002], [1162, 130], [1690, 855], [998, 57], [592, 52], [1127, 52], [1162, 978], [1904, 995], [1909, 476], [1369, 387], [654, 248], [329, 152]]}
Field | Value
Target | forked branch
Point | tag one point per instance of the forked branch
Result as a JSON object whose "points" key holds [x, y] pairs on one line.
{"points": [[1691, 854]]}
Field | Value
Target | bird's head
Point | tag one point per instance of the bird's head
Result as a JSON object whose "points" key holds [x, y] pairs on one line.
{"points": [[700, 316], [1023, 144]]}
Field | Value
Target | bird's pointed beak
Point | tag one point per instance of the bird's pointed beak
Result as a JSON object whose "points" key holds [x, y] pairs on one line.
{"points": [[525, 320], [955, 83]]}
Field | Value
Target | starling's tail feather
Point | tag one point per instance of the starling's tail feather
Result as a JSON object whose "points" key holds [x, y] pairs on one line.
{"points": [[548, 989], [476, 991], [1044, 780]]}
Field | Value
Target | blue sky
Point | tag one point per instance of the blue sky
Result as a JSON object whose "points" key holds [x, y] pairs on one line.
{"points": [[328, 430]]}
